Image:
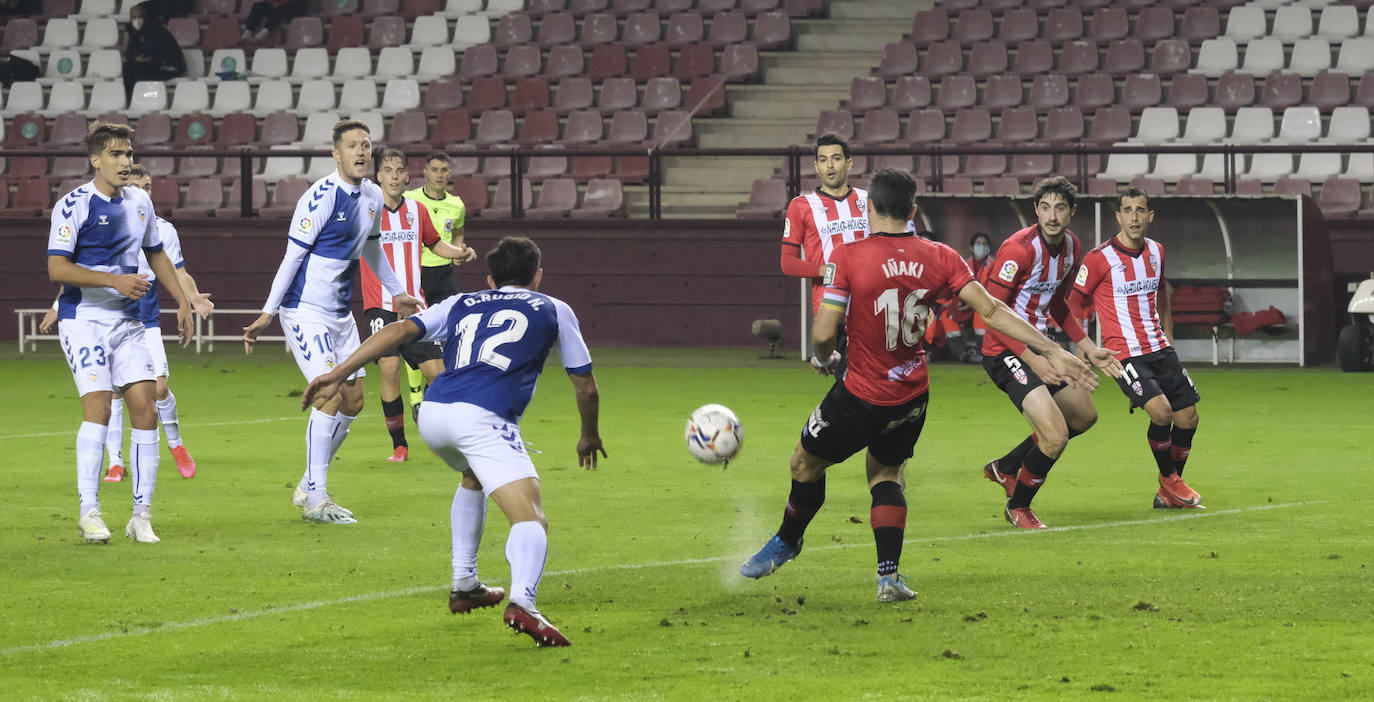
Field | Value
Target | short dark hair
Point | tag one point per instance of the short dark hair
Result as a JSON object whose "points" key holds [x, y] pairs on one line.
{"points": [[891, 193], [436, 156], [101, 134], [1132, 192], [137, 171], [980, 235], [513, 261], [1057, 185], [831, 139], [389, 154], [347, 125]]}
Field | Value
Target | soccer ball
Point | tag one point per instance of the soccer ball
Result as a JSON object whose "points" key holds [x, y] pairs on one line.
{"points": [[714, 434]]}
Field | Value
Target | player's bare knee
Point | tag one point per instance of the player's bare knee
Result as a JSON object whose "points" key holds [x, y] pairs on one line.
{"points": [[162, 391], [1186, 418], [1082, 423], [805, 467]]}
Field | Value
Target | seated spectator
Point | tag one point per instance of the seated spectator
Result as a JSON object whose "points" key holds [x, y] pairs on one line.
{"points": [[266, 15], [15, 69], [152, 52]]}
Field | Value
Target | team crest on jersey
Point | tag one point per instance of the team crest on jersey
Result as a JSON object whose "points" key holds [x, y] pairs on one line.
{"points": [[410, 219], [829, 275], [343, 216], [862, 204], [304, 225], [64, 234], [1154, 262], [94, 377], [1135, 387], [1008, 271], [142, 216], [1019, 374], [371, 210], [1082, 275]]}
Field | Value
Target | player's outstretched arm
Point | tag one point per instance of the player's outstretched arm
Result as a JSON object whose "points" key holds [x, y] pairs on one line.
{"points": [[62, 270], [167, 273], [589, 407], [390, 337], [1000, 317]]}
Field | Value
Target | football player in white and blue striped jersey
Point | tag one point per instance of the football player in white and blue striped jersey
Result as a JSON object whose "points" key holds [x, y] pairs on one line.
{"points": [[495, 344], [336, 222], [93, 246]]}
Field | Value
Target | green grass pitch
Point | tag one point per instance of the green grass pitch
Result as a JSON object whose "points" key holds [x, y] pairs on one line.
{"points": [[1266, 595]]}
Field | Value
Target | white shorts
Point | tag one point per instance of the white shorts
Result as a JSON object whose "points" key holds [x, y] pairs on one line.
{"points": [[105, 354], [152, 338], [319, 342], [467, 436]]}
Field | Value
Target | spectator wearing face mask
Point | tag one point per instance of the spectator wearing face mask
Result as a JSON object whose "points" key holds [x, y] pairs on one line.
{"points": [[151, 52], [958, 329]]}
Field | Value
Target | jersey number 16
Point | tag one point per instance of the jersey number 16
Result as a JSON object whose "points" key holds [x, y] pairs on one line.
{"points": [[906, 319]]}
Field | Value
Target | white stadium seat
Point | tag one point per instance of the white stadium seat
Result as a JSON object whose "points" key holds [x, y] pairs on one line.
{"points": [[430, 30], [496, 8], [470, 31], [395, 62], [1263, 56], [274, 96], [401, 94], [1317, 166], [376, 126], [319, 129], [1217, 56], [105, 64], [1356, 56], [436, 62], [1252, 125], [195, 62], [1310, 57], [278, 167], [1123, 167], [1245, 23], [24, 97], [310, 63], [101, 33], [1171, 167], [352, 62], [1205, 125], [1157, 126], [459, 8], [1292, 22], [191, 96], [1338, 22], [269, 63], [149, 96], [1360, 167], [1270, 167], [228, 61], [60, 33], [232, 96], [1348, 125], [107, 97], [63, 65], [67, 96], [315, 95], [358, 94]]}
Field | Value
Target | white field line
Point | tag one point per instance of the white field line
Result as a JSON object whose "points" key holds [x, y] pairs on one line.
{"points": [[367, 597], [72, 432]]}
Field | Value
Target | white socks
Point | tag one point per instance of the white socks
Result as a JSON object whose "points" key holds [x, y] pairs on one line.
{"points": [[167, 414], [341, 424], [90, 444], [319, 448], [144, 465], [468, 516], [527, 547], [114, 436]]}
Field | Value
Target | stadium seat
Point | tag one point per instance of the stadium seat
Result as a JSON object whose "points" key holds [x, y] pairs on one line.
{"points": [[529, 94], [641, 28], [942, 59], [1293, 185], [628, 127], [573, 93], [20, 33], [1158, 125], [415, 9], [1310, 56], [481, 60], [1110, 124], [1234, 91], [345, 31], [486, 93], [501, 201], [495, 128], [1340, 197], [103, 65], [973, 26], [106, 97], [926, 126], [1064, 124], [239, 129], [599, 28], [1292, 22], [617, 94], [310, 63], [203, 197], [67, 96], [31, 197], [1245, 23], [374, 8], [604, 197], [767, 200], [930, 26], [772, 30], [662, 94], [957, 91], [318, 130], [971, 125], [1356, 55], [1170, 56], [399, 94], [1318, 166], [409, 130], [1329, 91], [1263, 56], [436, 61], [1154, 23], [443, 94], [564, 61], [1018, 125], [1140, 91], [542, 168], [1002, 91], [879, 125], [628, 7], [538, 127], [523, 60], [68, 128], [1004, 186], [429, 30], [1032, 57], [1108, 24], [1200, 22], [739, 63], [273, 96], [1186, 91], [512, 30], [269, 63], [233, 204], [557, 198], [608, 61], [1018, 25], [695, 61], [1063, 25], [838, 122], [584, 127], [228, 61], [1364, 91], [899, 59], [304, 32], [386, 31], [1252, 125], [1123, 167], [1348, 125], [194, 129], [957, 185], [1300, 124], [706, 96], [1049, 90], [394, 62], [1194, 186], [1338, 22], [1095, 90], [276, 168], [1269, 167], [1360, 167], [63, 65], [60, 33], [191, 96], [1204, 125], [1281, 90], [911, 92], [470, 31], [316, 95], [555, 29], [867, 92], [1078, 57], [1124, 56], [451, 127], [148, 96]]}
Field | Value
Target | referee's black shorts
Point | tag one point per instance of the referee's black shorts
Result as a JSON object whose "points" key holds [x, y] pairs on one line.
{"points": [[438, 282]]}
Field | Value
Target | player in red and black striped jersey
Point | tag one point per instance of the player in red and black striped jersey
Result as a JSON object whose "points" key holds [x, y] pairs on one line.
{"points": [[881, 288], [1124, 280], [1032, 274]]}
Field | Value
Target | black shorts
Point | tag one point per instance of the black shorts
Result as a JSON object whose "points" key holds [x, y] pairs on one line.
{"points": [[843, 425], [415, 352], [1155, 374], [438, 282], [1015, 378]]}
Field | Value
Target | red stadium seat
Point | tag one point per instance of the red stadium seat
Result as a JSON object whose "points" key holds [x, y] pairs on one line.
{"points": [[495, 128], [1030, 166], [203, 197], [557, 28], [973, 26], [486, 93], [662, 94], [1289, 185], [234, 203], [195, 129], [753, 8], [867, 92], [186, 31], [238, 129], [1170, 56], [930, 26], [599, 28], [279, 129], [706, 96], [67, 128], [1110, 125], [1194, 186], [544, 7], [879, 126], [480, 60], [628, 127], [617, 94], [443, 94], [542, 168], [1033, 57], [344, 31], [303, 32], [1364, 92], [942, 59], [408, 129], [538, 127], [626, 7], [557, 198], [1063, 24], [584, 127], [523, 60], [530, 94], [1018, 125], [926, 126], [1154, 187], [971, 125], [220, 33], [1064, 124], [386, 31], [957, 91], [1153, 24], [1109, 24], [21, 33], [574, 93], [727, 29], [1005, 186], [911, 92], [473, 193], [565, 60], [376, 8], [1186, 91], [67, 167], [501, 202], [839, 122], [1340, 197], [1079, 57], [451, 127], [772, 30], [695, 61], [987, 58], [512, 30], [641, 28], [957, 185], [1049, 90], [1329, 91], [684, 28], [650, 61], [608, 61], [899, 59], [739, 63], [1234, 91], [1281, 90], [1199, 23], [1124, 56], [604, 197], [1141, 90], [1018, 25], [1094, 90], [1002, 91], [284, 197], [767, 200], [419, 8], [31, 198]]}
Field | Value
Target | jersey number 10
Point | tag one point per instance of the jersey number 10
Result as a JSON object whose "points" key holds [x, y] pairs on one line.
{"points": [[906, 319], [469, 328]]}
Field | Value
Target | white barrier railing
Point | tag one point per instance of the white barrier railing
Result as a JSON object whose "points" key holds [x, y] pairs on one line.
{"points": [[29, 336]]}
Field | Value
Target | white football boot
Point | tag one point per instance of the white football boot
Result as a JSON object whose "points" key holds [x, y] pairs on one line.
{"points": [[140, 529], [327, 512], [92, 528]]}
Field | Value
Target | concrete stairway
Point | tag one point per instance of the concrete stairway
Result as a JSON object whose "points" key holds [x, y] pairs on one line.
{"points": [[781, 110]]}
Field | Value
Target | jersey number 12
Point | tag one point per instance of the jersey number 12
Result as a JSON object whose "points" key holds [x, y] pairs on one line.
{"points": [[469, 328]]}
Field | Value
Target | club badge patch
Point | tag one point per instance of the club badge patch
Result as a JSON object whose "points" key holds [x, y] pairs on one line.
{"points": [[829, 276]]}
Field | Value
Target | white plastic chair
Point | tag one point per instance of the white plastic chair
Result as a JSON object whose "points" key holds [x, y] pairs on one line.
{"points": [[430, 30], [278, 167], [1157, 125], [1300, 124], [25, 97], [228, 61], [1356, 55], [1252, 125], [352, 62], [195, 62], [496, 8], [315, 95], [107, 97], [101, 33], [1263, 56], [191, 96], [400, 94], [1171, 167], [310, 63], [1205, 125], [1270, 167], [1348, 125], [60, 33], [233, 96], [1123, 167], [148, 96], [470, 31], [1318, 167], [1245, 23], [1361, 167], [436, 62], [1310, 57], [105, 65], [376, 125], [459, 8], [394, 62], [63, 65], [1217, 56], [358, 94], [274, 96], [319, 130], [1338, 22], [91, 9], [269, 64], [1292, 22], [66, 96]]}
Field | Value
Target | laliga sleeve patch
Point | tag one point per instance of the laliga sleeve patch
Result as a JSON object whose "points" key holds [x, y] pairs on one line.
{"points": [[1082, 275], [64, 234], [304, 225], [829, 277], [787, 228], [1008, 271]]}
